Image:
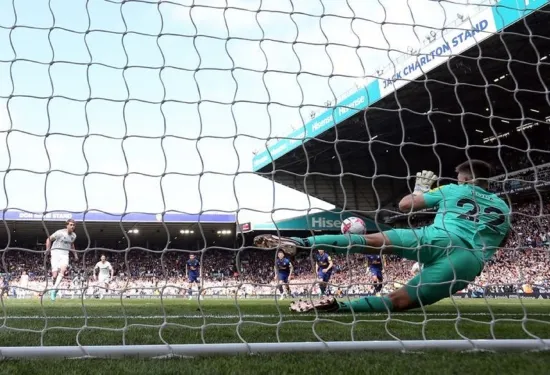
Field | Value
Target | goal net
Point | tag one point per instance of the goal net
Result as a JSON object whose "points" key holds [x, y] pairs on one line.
{"points": [[171, 131]]}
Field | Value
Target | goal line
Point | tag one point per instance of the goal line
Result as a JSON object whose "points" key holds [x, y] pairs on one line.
{"points": [[253, 316]]}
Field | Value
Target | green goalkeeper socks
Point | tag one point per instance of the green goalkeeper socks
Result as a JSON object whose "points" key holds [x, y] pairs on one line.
{"points": [[366, 305], [339, 243]]}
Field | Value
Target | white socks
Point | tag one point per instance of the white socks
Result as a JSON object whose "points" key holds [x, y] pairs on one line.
{"points": [[58, 281]]}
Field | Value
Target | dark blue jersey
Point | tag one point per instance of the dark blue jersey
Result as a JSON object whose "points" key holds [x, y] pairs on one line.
{"points": [[283, 265], [193, 265], [375, 262], [323, 261]]}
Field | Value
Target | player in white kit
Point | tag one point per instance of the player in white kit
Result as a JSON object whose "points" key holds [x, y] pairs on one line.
{"points": [[23, 285], [63, 242], [105, 274]]}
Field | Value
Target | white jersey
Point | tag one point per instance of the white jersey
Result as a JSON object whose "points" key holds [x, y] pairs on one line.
{"points": [[62, 240], [24, 281], [104, 269]]}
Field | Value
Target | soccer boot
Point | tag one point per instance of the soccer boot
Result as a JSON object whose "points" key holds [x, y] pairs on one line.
{"points": [[287, 244], [325, 304]]}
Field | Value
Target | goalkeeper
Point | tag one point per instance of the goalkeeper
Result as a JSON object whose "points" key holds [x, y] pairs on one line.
{"points": [[469, 227]]}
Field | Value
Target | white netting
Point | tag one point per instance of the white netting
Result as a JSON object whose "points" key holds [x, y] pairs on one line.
{"points": [[149, 122]]}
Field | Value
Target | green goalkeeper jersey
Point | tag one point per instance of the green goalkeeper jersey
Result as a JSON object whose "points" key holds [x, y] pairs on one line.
{"points": [[479, 217]]}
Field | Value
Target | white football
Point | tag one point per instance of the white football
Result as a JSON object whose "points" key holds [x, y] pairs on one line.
{"points": [[353, 225]]}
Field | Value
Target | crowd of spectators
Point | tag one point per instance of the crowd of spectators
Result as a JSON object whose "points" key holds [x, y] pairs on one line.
{"points": [[525, 164], [524, 260]]}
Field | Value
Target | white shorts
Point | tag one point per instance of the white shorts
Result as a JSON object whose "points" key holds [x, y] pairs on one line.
{"points": [[59, 259], [103, 279]]}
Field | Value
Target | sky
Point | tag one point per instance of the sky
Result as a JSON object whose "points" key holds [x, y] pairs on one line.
{"points": [[154, 106]]}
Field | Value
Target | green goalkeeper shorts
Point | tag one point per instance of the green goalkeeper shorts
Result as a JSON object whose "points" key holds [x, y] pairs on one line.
{"points": [[449, 264]]}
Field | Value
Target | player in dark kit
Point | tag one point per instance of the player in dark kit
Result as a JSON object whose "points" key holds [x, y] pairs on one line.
{"points": [[192, 271], [470, 226], [323, 268], [376, 266], [283, 273], [5, 290]]}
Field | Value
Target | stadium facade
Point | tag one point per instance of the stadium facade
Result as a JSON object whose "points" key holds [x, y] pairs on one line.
{"points": [[458, 95], [115, 232], [326, 221]]}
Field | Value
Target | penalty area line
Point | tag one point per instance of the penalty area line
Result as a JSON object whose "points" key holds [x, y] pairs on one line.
{"points": [[252, 316]]}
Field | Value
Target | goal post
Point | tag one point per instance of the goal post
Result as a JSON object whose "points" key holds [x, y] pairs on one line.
{"points": [[170, 129]]}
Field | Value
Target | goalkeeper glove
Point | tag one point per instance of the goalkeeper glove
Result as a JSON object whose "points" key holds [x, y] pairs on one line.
{"points": [[424, 181]]}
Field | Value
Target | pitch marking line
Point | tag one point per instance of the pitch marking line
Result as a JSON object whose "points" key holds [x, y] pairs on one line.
{"points": [[253, 316]]}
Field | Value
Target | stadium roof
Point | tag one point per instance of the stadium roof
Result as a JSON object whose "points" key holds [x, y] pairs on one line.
{"points": [[137, 217], [97, 229], [457, 97]]}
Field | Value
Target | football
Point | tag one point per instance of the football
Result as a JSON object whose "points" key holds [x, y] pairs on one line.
{"points": [[353, 225]]}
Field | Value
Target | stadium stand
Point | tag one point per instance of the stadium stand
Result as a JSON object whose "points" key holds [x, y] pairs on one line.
{"points": [[524, 266]]}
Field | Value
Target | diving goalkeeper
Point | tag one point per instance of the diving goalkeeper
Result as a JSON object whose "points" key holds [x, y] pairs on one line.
{"points": [[469, 227]]}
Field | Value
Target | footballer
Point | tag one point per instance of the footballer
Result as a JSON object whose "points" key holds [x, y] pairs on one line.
{"points": [[376, 266], [193, 273], [323, 268], [58, 246], [470, 225], [104, 275], [283, 273]]}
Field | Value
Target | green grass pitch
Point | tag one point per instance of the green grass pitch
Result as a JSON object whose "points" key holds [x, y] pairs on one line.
{"points": [[179, 321]]}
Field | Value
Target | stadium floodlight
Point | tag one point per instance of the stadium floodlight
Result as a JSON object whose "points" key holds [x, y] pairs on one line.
{"points": [[412, 51], [526, 126], [500, 78], [360, 82], [125, 106]]}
